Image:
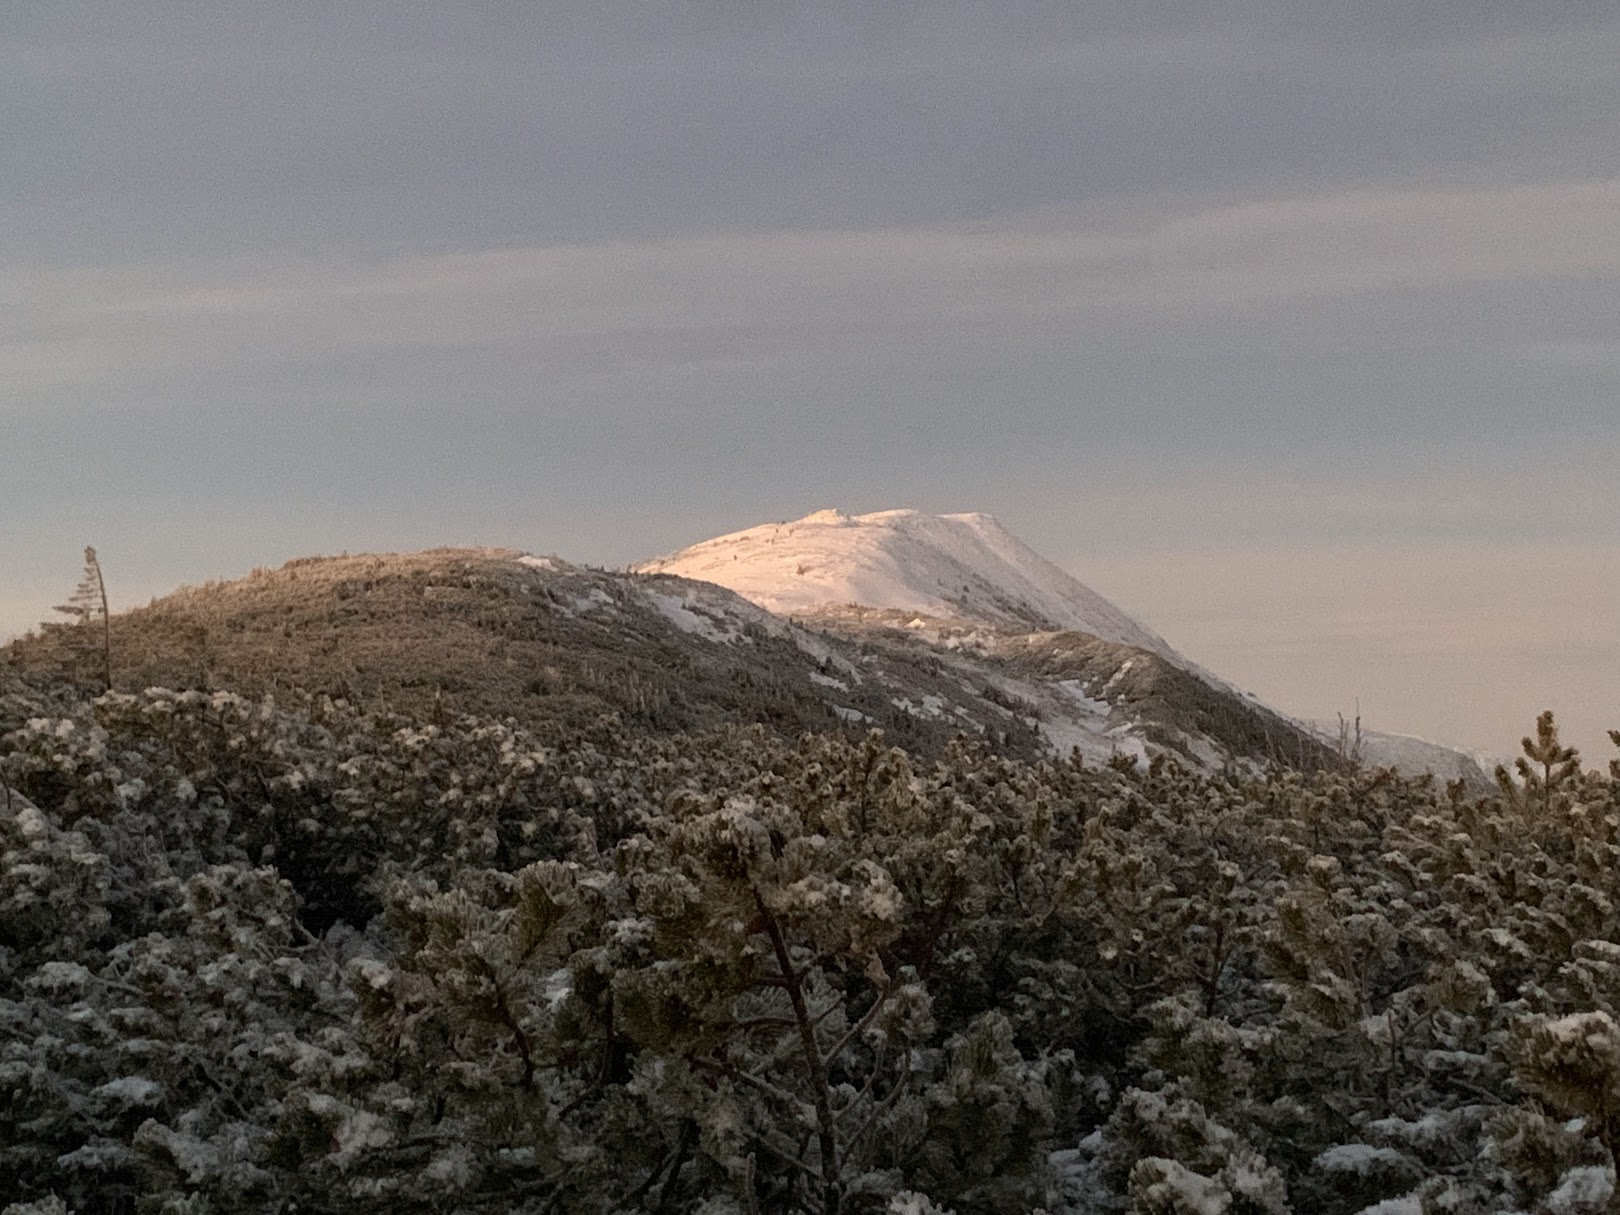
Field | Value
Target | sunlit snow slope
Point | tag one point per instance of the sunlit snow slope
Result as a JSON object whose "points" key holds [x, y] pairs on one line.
{"points": [[965, 567]]}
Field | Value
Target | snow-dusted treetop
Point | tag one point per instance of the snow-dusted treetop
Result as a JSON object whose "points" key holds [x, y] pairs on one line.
{"points": [[964, 566]]}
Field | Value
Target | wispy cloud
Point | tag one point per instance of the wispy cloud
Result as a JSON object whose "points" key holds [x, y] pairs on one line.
{"points": [[761, 291]]}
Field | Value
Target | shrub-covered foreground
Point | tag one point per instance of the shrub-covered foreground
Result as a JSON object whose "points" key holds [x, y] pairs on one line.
{"points": [[262, 959]]}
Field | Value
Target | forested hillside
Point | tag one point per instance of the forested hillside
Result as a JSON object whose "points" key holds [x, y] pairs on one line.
{"points": [[552, 645], [557, 646], [291, 954]]}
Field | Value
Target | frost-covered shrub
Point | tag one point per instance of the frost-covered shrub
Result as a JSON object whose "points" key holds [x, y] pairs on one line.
{"points": [[257, 954]]}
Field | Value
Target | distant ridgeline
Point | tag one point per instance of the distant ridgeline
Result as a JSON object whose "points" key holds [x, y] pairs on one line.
{"points": [[558, 647], [274, 953]]}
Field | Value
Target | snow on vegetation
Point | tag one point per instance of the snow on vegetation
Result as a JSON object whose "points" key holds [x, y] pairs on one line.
{"points": [[1084, 701], [688, 617], [1581, 1191], [303, 954]]}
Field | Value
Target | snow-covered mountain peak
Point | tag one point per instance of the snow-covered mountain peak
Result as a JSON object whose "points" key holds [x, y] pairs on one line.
{"points": [[831, 517], [963, 566]]}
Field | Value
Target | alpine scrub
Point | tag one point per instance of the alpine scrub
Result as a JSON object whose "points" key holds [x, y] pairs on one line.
{"points": [[259, 956]]}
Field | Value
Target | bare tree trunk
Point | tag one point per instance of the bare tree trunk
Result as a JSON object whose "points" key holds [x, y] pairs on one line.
{"points": [[832, 1199], [106, 620]]}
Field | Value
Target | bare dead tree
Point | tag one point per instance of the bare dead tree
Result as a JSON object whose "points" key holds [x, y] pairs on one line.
{"points": [[86, 604], [1350, 738]]}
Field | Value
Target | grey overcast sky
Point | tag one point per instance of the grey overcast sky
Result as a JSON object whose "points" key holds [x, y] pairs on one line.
{"points": [[1294, 327]]}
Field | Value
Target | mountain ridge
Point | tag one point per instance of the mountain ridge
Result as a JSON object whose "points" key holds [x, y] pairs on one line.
{"points": [[965, 566], [561, 648], [965, 630], [972, 583]]}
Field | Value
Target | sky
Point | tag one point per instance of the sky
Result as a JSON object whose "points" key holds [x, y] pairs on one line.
{"points": [[1291, 326]]}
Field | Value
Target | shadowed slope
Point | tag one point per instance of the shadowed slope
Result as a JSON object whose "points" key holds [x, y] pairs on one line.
{"points": [[493, 632]]}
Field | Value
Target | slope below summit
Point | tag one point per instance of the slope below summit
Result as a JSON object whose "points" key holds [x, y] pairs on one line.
{"points": [[962, 595], [965, 567], [964, 592]]}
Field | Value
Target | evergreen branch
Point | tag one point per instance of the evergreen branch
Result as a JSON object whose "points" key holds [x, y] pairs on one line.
{"points": [[749, 1023], [785, 1155], [866, 1089], [1483, 1094], [859, 1027], [708, 1063], [120, 985], [503, 1013], [671, 1162], [768, 1022], [225, 1092], [682, 1151], [880, 1109], [748, 1184], [602, 1071], [937, 925]]}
